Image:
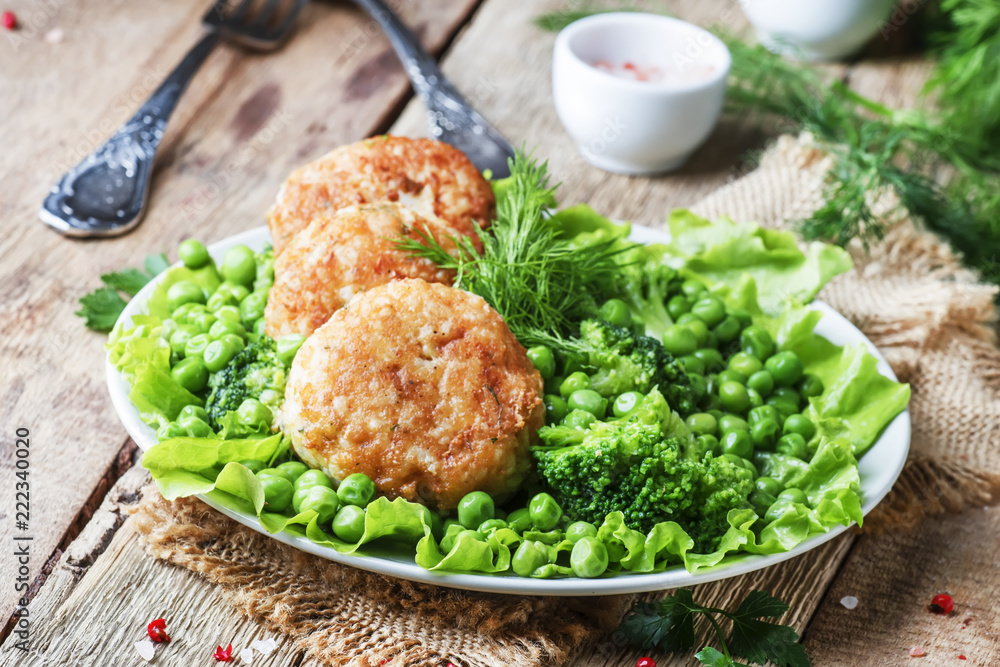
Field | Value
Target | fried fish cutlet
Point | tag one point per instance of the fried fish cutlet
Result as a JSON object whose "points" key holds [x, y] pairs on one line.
{"points": [[343, 253], [433, 178], [420, 386]]}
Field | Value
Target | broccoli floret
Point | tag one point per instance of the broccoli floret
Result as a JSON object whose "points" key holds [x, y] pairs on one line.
{"points": [[255, 372], [620, 361], [647, 467]]}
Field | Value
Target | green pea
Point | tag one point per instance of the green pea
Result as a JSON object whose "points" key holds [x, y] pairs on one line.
{"points": [[220, 300], [745, 364], [763, 412], [734, 397], [190, 373], [252, 307], [434, 520], [579, 419], [259, 326], [555, 408], [168, 328], [519, 520], [743, 316], [275, 472], [616, 312], [732, 376], [785, 368], [179, 338], [737, 443], [542, 358], [708, 443], [357, 489], [313, 478], [777, 509], [254, 465], [710, 310], [574, 382], [196, 428], [756, 400], [529, 557], [217, 354], [764, 434], [626, 403], [490, 525], [711, 358], [223, 327], [693, 288], [768, 485], [578, 530], [323, 501], [196, 345], [702, 423], [255, 414], [349, 524], [230, 314], [762, 382], [288, 346], [757, 341], [589, 558], [692, 364], [679, 340], [193, 253], [239, 265], [195, 411], [185, 313], [277, 493], [727, 330], [700, 331], [238, 291], [588, 400], [204, 321], [761, 500], [236, 341], [801, 425], [792, 444], [794, 495], [729, 423], [475, 508], [677, 306], [810, 385], [699, 386], [170, 430], [751, 468], [299, 495], [788, 394], [184, 292], [783, 406], [545, 511]]}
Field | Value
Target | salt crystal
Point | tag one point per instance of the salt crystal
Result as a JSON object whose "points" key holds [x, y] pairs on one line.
{"points": [[849, 601], [917, 652], [145, 649], [54, 36], [265, 646], [246, 655]]}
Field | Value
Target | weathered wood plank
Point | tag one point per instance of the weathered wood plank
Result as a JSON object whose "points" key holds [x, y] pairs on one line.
{"points": [[246, 121]]}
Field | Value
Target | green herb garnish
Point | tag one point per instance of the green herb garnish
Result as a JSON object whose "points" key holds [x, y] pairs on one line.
{"points": [[541, 285], [102, 307], [668, 625]]}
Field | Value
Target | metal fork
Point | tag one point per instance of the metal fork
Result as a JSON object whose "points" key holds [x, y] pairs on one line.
{"points": [[452, 119], [106, 194]]}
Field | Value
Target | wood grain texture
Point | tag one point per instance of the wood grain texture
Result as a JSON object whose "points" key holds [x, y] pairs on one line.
{"points": [[245, 122]]}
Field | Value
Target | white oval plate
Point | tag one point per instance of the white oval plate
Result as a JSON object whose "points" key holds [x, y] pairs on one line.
{"points": [[879, 468]]}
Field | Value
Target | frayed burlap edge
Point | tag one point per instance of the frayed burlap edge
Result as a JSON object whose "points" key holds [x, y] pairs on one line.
{"points": [[343, 616], [931, 317]]}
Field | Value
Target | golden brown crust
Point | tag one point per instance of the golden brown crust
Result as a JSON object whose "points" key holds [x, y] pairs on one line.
{"points": [[420, 386], [431, 177], [344, 253]]}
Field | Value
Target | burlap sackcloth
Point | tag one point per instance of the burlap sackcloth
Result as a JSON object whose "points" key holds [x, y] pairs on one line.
{"points": [[933, 321]]}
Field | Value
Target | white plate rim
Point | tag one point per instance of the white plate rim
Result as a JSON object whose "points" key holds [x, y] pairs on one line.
{"points": [[879, 468]]}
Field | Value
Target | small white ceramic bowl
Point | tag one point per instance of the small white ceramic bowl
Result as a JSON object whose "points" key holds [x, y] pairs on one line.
{"points": [[816, 29], [630, 126]]}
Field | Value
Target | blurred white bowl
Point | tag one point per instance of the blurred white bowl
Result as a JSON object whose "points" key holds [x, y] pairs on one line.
{"points": [[816, 29], [632, 126]]}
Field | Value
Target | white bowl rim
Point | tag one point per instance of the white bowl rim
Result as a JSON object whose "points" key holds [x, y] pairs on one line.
{"points": [[657, 87]]}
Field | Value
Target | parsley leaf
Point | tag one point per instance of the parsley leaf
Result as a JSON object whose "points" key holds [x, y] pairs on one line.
{"points": [[667, 624], [713, 658], [101, 308]]}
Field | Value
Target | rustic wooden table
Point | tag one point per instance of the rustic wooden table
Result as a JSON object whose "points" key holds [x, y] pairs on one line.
{"points": [[246, 121]]}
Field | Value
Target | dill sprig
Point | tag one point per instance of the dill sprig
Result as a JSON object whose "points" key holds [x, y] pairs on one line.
{"points": [[540, 284]]}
